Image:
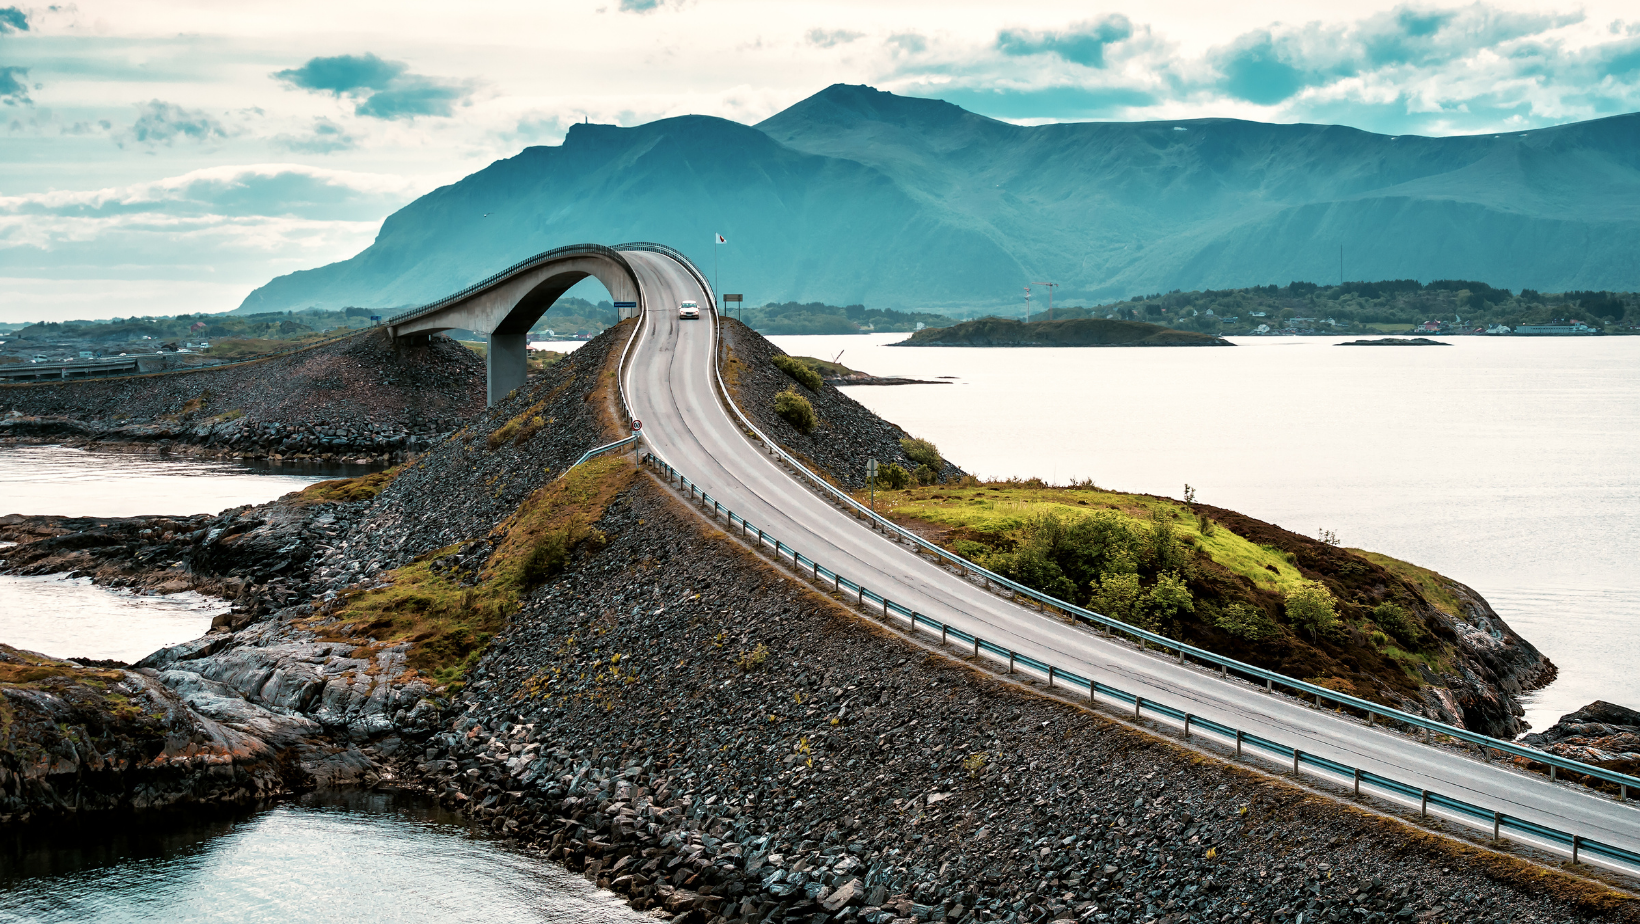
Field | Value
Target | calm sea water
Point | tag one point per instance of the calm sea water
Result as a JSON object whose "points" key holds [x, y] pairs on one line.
{"points": [[1507, 464], [344, 858], [75, 618]]}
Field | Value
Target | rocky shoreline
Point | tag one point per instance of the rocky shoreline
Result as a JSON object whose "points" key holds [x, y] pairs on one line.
{"points": [[671, 715]]}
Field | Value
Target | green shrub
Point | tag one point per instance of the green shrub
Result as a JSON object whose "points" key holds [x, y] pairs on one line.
{"points": [[1394, 619], [1310, 606], [798, 370], [1247, 622], [1118, 596], [971, 550], [893, 477], [922, 452], [926, 475], [795, 409]]}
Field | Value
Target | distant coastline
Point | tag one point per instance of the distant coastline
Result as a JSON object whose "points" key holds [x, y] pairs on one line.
{"points": [[1080, 332]]}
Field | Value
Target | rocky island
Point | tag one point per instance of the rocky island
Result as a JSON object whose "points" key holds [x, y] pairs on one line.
{"points": [[597, 674]]}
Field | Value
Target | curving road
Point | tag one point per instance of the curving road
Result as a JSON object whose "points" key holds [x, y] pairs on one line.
{"points": [[670, 387]]}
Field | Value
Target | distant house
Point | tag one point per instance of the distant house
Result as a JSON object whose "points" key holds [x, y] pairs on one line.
{"points": [[1262, 329], [1430, 327], [197, 327], [1499, 329]]}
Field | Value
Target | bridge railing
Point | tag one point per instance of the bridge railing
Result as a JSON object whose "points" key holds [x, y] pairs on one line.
{"points": [[1502, 824], [490, 280]]}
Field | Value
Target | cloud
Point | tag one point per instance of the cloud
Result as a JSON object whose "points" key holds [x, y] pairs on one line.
{"points": [[1254, 71], [820, 38], [12, 20], [1082, 43], [160, 122], [14, 86], [327, 137], [909, 43], [384, 89], [343, 74], [644, 6]]}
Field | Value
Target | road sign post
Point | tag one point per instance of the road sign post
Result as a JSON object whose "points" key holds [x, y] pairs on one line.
{"points": [[871, 479], [637, 442]]}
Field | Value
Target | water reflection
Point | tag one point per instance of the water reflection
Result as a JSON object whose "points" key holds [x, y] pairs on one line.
{"points": [[339, 857]]}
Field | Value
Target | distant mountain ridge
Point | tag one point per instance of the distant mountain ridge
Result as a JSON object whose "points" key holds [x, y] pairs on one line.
{"points": [[859, 196]]}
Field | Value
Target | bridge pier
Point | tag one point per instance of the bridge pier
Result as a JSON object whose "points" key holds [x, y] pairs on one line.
{"points": [[506, 365]]}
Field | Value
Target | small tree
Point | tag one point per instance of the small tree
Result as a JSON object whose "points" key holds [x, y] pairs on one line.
{"points": [[893, 477], [799, 370], [1310, 606], [926, 475], [795, 410], [922, 452], [1246, 622]]}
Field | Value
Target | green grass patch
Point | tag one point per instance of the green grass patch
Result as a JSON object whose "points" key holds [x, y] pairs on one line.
{"points": [[342, 490], [997, 509], [449, 625], [1431, 584]]}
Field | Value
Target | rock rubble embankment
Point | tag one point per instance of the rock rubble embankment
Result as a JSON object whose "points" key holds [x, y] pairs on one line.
{"points": [[682, 723], [361, 398], [846, 435]]}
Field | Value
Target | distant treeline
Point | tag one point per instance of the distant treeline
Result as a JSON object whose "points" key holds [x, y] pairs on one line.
{"points": [[273, 325], [820, 318], [1364, 306]]}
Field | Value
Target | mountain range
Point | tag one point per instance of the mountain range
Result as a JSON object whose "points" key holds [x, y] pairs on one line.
{"points": [[858, 196]]}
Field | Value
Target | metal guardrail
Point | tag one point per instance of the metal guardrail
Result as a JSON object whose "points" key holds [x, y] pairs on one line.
{"points": [[606, 448], [1502, 824], [1372, 710]]}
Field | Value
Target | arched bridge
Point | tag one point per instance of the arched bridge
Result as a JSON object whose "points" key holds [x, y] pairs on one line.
{"points": [[506, 305]]}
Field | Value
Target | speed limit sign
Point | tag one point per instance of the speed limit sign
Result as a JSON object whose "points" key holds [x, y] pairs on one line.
{"points": [[871, 468]]}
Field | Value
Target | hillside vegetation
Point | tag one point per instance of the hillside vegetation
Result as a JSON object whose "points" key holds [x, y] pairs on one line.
{"points": [[1353, 621], [1083, 332]]}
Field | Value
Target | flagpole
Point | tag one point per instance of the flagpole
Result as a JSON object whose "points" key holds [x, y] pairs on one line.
{"points": [[717, 304]]}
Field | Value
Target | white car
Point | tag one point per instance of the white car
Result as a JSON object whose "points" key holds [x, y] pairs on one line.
{"points": [[689, 310]]}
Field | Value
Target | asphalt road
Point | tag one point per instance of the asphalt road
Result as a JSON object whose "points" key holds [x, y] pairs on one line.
{"points": [[670, 388]]}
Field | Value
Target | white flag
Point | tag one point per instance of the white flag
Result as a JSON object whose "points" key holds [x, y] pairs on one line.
{"points": [[721, 239]]}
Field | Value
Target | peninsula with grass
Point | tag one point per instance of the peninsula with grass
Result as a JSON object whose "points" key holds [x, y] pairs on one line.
{"points": [[1080, 332]]}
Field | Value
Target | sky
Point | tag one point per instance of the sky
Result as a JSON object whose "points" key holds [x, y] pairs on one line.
{"points": [[169, 157]]}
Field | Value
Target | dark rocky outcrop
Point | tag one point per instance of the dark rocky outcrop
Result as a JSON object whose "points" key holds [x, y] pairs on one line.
{"points": [[1601, 733], [361, 398], [1078, 332], [76, 739]]}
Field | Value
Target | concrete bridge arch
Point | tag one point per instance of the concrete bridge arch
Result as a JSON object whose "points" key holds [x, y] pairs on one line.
{"points": [[506, 305]]}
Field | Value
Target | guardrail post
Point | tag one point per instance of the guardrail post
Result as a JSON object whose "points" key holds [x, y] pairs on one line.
{"points": [[1622, 792], [1423, 803], [862, 595], [817, 572], [1296, 753], [1137, 702], [976, 647], [1577, 842], [1497, 824], [1318, 701], [837, 582], [1050, 676], [1181, 655], [1187, 726], [1269, 685], [885, 611], [1224, 671], [943, 628], [1238, 742], [1551, 769], [1010, 662], [1358, 781], [1372, 719], [1093, 691]]}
